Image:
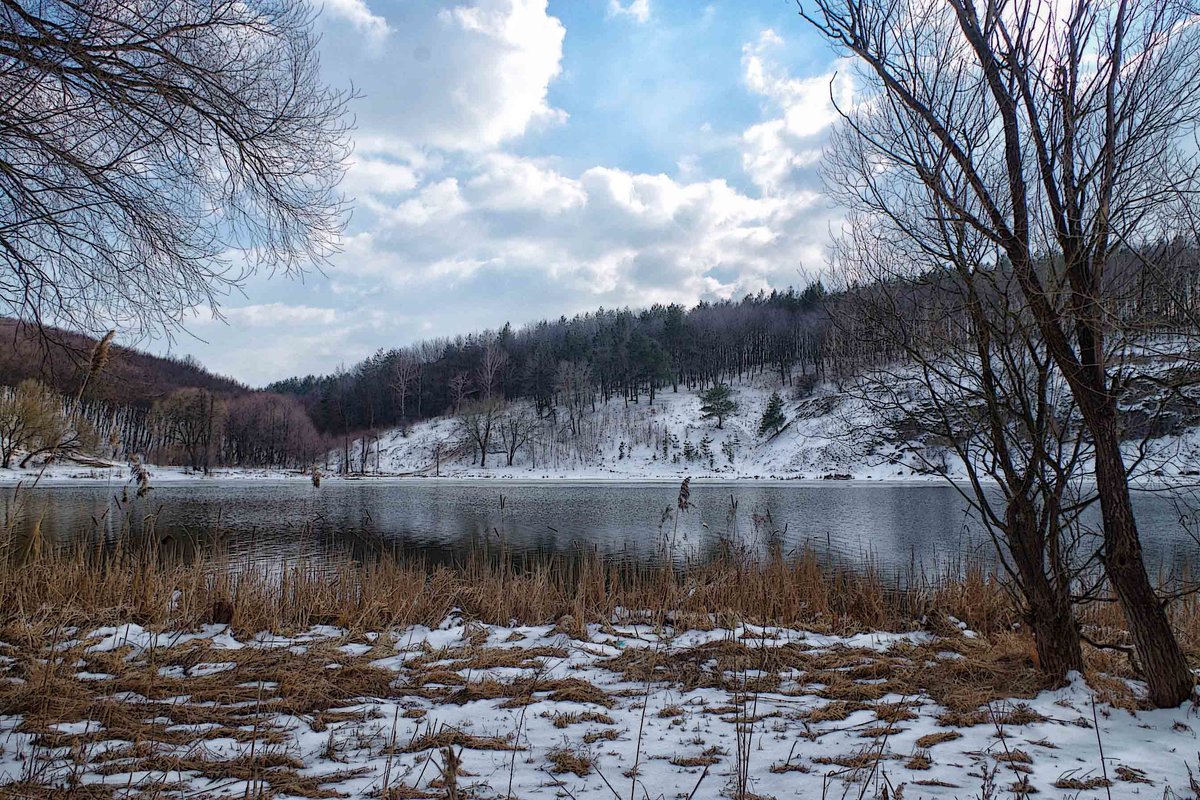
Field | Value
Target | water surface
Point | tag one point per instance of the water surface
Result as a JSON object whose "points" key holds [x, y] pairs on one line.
{"points": [[898, 527]]}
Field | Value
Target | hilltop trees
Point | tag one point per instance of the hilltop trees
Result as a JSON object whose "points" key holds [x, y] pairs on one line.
{"points": [[633, 355]]}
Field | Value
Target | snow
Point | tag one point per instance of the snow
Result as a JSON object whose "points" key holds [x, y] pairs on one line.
{"points": [[830, 434], [684, 741]]}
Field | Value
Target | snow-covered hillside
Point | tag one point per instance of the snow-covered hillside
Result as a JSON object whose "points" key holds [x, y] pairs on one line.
{"points": [[829, 434]]}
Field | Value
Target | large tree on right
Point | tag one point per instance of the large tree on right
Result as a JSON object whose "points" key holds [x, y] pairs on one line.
{"points": [[1063, 134]]}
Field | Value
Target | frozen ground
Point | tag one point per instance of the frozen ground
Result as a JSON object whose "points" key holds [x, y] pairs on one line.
{"points": [[533, 712]]}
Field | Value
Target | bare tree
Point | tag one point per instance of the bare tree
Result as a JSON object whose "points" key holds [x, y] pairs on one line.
{"points": [[34, 420], [573, 382], [970, 374], [1058, 133], [460, 387], [517, 425], [491, 365], [192, 419], [406, 369], [478, 424], [154, 154]]}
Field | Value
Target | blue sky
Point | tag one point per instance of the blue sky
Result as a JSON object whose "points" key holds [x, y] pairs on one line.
{"points": [[519, 159]]}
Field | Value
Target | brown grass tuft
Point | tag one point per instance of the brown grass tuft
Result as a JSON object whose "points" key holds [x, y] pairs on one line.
{"points": [[566, 759]]}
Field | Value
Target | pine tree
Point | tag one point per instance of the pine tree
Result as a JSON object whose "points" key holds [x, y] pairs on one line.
{"points": [[718, 403], [772, 418]]}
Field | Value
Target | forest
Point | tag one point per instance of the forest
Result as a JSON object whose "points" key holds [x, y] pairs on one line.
{"points": [[174, 412]]}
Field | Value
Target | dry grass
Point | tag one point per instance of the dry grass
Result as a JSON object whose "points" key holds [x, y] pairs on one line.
{"points": [[572, 718], [91, 588], [929, 740], [123, 583], [712, 755], [1082, 784], [835, 711], [569, 759], [451, 737], [43, 601]]}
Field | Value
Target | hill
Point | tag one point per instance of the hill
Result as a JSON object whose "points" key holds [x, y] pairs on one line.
{"points": [[130, 378], [830, 432]]}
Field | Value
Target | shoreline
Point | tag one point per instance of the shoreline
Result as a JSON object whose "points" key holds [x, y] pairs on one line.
{"points": [[117, 475]]}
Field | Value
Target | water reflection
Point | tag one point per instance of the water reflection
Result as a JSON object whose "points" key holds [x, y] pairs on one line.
{"points": [[900, 528]]}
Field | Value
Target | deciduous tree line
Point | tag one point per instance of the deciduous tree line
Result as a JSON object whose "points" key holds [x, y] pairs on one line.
{"points": [[192, 427]]}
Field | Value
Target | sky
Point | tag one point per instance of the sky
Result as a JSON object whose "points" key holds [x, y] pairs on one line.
{"points": [[517, 160]]}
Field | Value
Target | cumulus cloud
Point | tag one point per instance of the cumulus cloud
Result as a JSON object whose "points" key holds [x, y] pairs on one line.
{"points": [[606, 235], [779, 153], [356, 12], [636, 9], [509, 183], [466, 78]]}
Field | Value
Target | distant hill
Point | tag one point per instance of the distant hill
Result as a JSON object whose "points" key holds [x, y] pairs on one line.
{"points": [[131, 377]]}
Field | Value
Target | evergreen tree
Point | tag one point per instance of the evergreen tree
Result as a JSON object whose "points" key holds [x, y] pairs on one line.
{"points": [[718, 403], [772, 419]]}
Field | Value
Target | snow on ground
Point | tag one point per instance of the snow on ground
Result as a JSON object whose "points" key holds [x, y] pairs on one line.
{"points": [[531, 712]]}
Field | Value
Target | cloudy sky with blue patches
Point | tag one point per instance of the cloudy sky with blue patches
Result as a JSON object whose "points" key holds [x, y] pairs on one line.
{"points": [[518, 159]]}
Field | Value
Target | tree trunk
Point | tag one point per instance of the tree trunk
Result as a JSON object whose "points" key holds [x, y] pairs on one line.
{"points": [[1049, 612], [1162, 661], [1164, 667]]}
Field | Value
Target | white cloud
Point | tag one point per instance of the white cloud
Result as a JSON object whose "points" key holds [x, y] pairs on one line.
{"points": [[467, 78], [779, 152], [607, 236], [637, 9], [440, 201], [356, 12], [371, 176], [269, 315], [509, 183]]}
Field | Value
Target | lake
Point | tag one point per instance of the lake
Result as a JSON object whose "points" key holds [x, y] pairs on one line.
{"points": [[897, 526]]}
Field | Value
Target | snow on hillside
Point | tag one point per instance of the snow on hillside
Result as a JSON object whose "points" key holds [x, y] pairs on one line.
{"points": [[829, 434], [826, 435]]}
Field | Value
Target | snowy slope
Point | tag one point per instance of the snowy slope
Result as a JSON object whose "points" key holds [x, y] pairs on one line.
{"points": [[830, 434]]}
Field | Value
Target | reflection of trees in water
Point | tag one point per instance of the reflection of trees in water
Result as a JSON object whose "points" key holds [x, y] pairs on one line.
{"points": [[901, 530]]}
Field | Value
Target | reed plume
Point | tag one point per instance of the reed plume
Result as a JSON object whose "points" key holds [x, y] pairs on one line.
{"points": [[97, 361]]}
